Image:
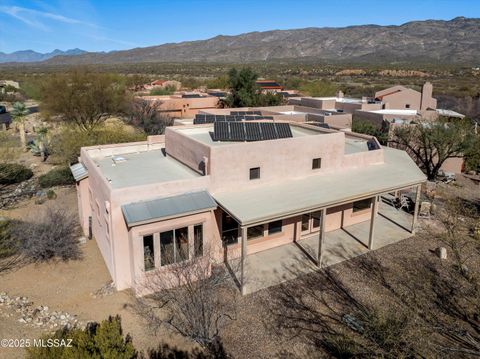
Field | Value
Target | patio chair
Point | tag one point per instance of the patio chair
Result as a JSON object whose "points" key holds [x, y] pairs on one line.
{"points": [[390, 199], [404, 203]]}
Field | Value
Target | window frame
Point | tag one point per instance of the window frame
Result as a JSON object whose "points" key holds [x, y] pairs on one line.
{"points": [[255, 170], [269, 228], [314, 161], [362, 209]]}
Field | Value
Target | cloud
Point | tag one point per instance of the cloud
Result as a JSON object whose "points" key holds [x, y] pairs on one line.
{"points": [[31, 17]]}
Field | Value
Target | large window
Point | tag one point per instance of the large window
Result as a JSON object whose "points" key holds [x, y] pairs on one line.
{"points": [[361, 205], [198, 240], [274, 227], [148, 252], [254, 173], [229, 229], [255, 232], [305, 222], [167, 251], [181, 244]]}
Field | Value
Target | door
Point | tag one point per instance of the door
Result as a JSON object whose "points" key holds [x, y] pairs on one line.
{"points": [[311, 222]]}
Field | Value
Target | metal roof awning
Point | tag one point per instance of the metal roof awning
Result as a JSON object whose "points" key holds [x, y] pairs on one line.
{"points": [[166, 208], [79, 171], [290, 198]]}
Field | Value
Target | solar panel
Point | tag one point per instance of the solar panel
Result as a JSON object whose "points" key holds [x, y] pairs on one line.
{"points": [[198, 121], [250, 131], [268, 131], [221, 131], [237, 131], [257, 113], [253, 132], [283, 130]]}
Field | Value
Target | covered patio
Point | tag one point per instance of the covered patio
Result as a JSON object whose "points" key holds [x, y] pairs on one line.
{"points": [[283, 263]]}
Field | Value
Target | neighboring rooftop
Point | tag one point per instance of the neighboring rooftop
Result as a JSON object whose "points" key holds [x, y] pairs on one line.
{"points": [[395, 112], [142, 168]]}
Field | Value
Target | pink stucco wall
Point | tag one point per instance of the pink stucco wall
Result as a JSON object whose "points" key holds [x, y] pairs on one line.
{"points": [[228, 168]]}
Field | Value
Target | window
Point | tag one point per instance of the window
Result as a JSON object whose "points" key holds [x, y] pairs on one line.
{"points": [[255, 232], [361, 205], [148, 252], [311, 222], [316, 163], [274, 227], [407, 106], [229, 229], [316, 218], [181, 244], [198, 240], [167, 253], [305, 222], [254, 173]]}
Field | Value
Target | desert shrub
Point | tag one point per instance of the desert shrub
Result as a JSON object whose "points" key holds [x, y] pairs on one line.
{"points": [[51, 194], [52, 234], [146, 115], [97, 340], [9, 149], [161, 91], [14, 173], [65, 147], [57, 177], [8, 245]]}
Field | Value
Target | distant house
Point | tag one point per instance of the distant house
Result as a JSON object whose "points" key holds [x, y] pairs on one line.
{"points": [[269, 85], [400, 97]]}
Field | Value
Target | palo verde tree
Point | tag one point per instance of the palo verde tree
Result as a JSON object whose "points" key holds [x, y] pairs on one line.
{"points": [[431, 143], [19, 115], [244, 91], [83, 98]]}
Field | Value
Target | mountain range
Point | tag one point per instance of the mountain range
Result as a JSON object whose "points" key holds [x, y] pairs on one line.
{"points": [[437, 41], [33, 56]]}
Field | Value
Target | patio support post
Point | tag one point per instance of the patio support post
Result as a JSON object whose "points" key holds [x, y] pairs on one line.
{"points": [[372, 222], [417, 206], [242, 259], [321, 237]]}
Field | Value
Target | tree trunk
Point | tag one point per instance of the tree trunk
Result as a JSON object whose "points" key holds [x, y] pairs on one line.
{"points": [[23, 139]]}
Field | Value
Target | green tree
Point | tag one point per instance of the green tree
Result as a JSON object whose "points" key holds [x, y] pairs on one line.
{"points": [[84, 98], [368, 128], [472, 155], [430, 144], [19, 115], [244, 91], [97, 341]]}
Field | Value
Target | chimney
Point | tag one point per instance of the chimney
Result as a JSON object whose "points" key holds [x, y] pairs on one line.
{"points": [[427, 100]]}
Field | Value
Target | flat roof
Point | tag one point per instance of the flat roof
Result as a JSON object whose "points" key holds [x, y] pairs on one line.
{"points": [[270, 201], [395, 112], [202, 134], [354, 145], [167, 207], [142, 168]]}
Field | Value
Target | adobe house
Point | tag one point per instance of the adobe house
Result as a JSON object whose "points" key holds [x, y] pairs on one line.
{"points": [[255, 192], [184, 105]]}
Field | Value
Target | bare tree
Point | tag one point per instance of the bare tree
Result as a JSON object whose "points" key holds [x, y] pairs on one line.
{"points": [[192, 297], [148, 116], [50, 234]]}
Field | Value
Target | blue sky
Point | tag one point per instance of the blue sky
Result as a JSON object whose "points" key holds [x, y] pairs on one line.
{"points": [[106, 25]]}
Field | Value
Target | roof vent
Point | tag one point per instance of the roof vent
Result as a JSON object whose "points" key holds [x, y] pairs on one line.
{"points": [[118, 159]]}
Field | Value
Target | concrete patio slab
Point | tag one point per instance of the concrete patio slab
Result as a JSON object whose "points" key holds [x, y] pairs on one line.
{"points": [[283, 263]]}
